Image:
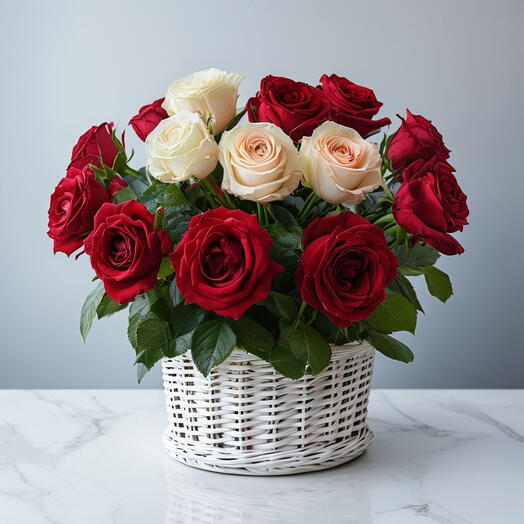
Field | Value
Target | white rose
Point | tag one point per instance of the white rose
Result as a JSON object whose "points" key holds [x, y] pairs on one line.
{"points": [[181, 147], [212, 93], [260, 163], [339, 165]]}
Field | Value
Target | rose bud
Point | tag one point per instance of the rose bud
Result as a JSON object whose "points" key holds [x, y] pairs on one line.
{"points": [[115, 185], [417, 138], [148, 117], [95, 146], [430, 204]]}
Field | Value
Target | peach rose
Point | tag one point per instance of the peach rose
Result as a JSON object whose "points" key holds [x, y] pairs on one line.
{"points": [[211, 93], [260, 162], [339, 165]]}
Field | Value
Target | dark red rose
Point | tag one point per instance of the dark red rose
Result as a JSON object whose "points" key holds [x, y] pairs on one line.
{"points": [[74, 203], [115, 185], [352, 105], [345, 268], [222, 263], [126, 250], [430, 204], [295, 107], [95, 146], [417, 138], [148, 118]]}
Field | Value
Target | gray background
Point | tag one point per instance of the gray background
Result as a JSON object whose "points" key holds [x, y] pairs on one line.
{"points": [[67, 65]]}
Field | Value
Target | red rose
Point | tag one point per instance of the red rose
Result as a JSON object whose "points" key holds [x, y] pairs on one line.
{"points": [[126, 250], [295, 107], [115, 185], [429, 204], [222, 263], [352, 105], [416, 138], [95, 146], [345, 268], [74, 203], [148, 118]]}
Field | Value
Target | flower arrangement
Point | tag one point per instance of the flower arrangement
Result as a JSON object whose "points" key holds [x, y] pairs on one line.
{"points": [[279, 236]]}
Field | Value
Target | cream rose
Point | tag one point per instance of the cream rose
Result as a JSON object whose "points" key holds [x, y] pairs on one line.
{"points": [[211, 93], [260, 163], [339, 165], [181, 147]]}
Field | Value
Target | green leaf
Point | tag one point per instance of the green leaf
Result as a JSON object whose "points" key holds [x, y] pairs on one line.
{"points": [[285, 218], [308, 344], [318, 350], [125, 194], [166, 268], [185, 318], [260, 353], [251, 335], [158, 301], [159, 195], [211, 344], [438, 282], [286, 363], [285, 305], [137, 183], [390, 346], [179, 346], [396, 313], [141, 370], [410, 271], [89, 308], [138, 309], [419, 255], [108, 307], [149, 357], [235, 120], [285, 256], [403, 286], [152, 333]]}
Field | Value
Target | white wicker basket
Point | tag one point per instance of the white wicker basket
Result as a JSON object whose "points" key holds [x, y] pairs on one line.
{"points": [[246, 418]]}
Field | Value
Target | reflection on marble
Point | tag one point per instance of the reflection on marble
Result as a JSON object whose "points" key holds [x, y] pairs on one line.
{"points": [[95, 457]]}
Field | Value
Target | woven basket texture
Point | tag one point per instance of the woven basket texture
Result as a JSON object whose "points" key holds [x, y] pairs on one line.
{"points": [[246, 418]]}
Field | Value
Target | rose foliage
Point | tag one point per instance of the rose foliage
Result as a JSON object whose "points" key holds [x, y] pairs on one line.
{"points": [[281, 236]]}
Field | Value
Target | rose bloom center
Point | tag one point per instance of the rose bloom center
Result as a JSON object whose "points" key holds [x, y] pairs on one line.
{"points": [[258, 147], [339, 149]]}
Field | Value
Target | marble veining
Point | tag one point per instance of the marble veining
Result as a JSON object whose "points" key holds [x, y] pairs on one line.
{"points": [[96, 457]]}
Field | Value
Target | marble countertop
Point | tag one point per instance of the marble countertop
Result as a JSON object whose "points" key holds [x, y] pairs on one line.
{"points": [[96, 457]]}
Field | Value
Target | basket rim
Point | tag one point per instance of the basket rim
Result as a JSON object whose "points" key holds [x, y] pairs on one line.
{"points": [[345, 350]]}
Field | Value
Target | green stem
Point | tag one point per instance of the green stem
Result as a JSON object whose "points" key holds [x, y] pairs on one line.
{"points": [[208, 189], [388, 191], [229, 201], [126, 170], [212, 202], [267, 213], [261, 214], [299, 314], [311, 201]]}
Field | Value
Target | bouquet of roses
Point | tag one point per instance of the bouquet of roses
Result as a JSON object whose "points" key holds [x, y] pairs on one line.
{"points": [[281, 236]]}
